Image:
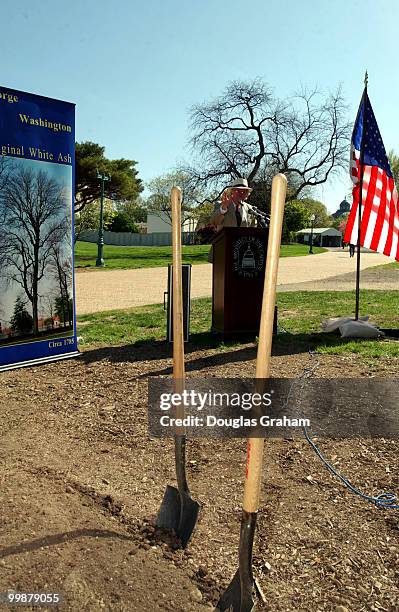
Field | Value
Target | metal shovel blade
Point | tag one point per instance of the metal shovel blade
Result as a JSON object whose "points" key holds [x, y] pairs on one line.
{"points": [[178, 512], [233, 600], [239, 595]]}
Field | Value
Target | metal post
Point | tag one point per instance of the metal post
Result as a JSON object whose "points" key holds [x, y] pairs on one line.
{"points": [[361, 197], [100, 260], [312, 218]]}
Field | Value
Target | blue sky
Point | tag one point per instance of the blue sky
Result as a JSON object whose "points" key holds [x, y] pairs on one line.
{"points": [[134, 68]]}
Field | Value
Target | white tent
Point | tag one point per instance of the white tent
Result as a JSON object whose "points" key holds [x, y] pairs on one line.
{"points": [[322, 236]]}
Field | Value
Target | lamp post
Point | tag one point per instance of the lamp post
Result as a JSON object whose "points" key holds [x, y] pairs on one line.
{"points": [[100, 260], [312, 218]]}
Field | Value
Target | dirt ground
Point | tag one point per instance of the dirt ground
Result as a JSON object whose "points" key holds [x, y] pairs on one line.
{"points": [[81, 483]]}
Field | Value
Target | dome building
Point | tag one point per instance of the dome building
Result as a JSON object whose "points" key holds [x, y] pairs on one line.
{"points": [[344, 208]]}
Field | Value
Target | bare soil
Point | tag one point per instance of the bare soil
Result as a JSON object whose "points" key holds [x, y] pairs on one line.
{"points": [[81, 483]]}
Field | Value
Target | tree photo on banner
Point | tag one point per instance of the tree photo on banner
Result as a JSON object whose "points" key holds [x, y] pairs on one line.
{"points": [[36, 267]]}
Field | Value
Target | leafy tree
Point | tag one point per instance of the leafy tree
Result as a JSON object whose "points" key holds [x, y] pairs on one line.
{"points": [[134, 209], [249, 132], [89, 217], [90, 159], [340, 222], [22, 320], [127, 215], [323, 218], [158, 202], [203, 212], [296, 217], [122, 222], [394, 163]]}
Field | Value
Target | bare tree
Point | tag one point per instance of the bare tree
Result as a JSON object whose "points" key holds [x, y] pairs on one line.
{"points": [[61, 269], [32, 212], [248, 132], [47, 306], [6, 166]]}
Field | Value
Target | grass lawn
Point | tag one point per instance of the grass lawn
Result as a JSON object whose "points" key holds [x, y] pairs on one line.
{"points": [[300, 315], [120, 257], [391, 266]]}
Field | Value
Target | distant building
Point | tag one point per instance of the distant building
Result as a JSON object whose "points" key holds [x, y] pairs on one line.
{"points": [[322, 236], [161, 223], [47, 323], [344, 208]]}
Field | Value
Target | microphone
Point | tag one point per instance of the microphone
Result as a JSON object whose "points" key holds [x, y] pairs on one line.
{"points": [[263, 218]]}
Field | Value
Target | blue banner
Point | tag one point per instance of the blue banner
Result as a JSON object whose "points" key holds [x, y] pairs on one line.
{"points": [[37, 293]]}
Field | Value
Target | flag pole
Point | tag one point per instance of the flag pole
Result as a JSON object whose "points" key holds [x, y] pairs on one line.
{"points": [[366, 79]]}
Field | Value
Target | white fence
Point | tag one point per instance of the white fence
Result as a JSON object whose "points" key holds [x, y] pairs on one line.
{"points": [[128, 239]]}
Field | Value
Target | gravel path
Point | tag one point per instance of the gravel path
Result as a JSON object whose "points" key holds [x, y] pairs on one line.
{"points": [[99, 290]]}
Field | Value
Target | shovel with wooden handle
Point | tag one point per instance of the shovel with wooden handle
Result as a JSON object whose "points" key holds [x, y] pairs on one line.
{"points": [[178, 511], [239, 595]]}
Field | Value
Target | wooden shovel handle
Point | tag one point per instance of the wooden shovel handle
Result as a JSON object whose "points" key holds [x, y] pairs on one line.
{"points": [[177, 314], [255, 445]]}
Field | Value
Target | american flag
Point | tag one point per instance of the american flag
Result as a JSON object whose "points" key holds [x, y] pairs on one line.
{"points": [[379, 228]]}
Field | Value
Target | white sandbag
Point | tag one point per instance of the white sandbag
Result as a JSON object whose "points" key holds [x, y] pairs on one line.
{"points": [[359, 329], [330, 325]]}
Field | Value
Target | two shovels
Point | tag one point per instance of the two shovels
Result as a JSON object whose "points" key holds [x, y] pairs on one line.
{"points": [[178, 510]]}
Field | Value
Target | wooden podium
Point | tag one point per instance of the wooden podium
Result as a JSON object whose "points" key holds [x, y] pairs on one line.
{"points": [[239, 258]]}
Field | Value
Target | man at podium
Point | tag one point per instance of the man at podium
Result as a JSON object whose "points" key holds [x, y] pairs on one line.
{"points": [[232, 210], [238, 255]]}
